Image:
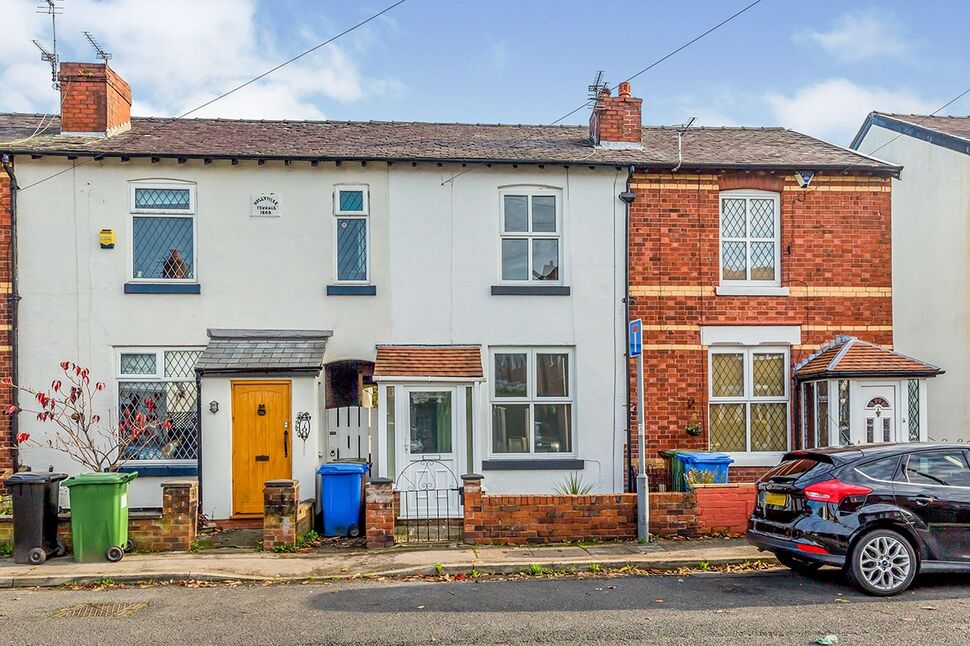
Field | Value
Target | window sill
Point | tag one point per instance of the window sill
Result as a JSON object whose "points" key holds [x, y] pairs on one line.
{"points": [[530, 290], [161, 470], [750, 290], [351, 290], [163, 288], [747, 459], [526, 464]]}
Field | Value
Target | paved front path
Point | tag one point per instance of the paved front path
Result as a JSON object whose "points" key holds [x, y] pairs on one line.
{"points": [[772, 607], [386, 562]]}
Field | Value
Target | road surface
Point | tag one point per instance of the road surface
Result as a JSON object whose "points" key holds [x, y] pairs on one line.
{"points": [[772, 607]]}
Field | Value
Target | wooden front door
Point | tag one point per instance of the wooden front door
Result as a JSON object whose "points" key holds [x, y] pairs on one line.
{"points": [[261, 441]]}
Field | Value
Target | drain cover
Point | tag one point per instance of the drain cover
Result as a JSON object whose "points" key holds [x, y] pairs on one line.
{"points": [[86, 610]]}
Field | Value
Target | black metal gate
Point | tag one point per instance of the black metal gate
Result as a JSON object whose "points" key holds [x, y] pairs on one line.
{"points": [[430, 504]]}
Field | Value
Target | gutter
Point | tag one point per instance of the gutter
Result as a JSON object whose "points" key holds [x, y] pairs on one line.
{"points": [[628, 196], [13, 302]]}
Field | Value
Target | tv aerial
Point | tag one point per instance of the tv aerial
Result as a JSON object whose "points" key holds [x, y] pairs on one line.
{"points": [[53, 8]]}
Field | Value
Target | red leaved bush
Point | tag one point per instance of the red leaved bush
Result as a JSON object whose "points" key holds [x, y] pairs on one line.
{"points": [[69, 405]]}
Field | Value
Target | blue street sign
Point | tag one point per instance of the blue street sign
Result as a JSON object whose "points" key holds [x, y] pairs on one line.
{"points": [[636, 338]]}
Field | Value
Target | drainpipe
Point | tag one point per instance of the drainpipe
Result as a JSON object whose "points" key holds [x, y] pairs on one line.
{"points": [[198, 429], [14, 301], [627, 197]]}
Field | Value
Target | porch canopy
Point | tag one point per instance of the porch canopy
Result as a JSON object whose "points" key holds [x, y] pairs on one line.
{"points": [[855, 392], [848, 356], [428, 362], [241, 353]]}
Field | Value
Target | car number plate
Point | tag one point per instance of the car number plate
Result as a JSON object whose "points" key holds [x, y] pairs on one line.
{"points": [[776, 500]]}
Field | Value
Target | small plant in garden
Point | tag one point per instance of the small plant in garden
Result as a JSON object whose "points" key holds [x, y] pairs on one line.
{"points": [[439, 569], [594, 568], [475, 573], [573, 485], [704, 566], [82, 433], [6, 549]]}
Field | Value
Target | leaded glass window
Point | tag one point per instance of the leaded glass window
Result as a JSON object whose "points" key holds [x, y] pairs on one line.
{"points": [[163, 199], [913, 406], [157, 391], [750, 237], [163, 232], [532, 401], [351, 208], [822, 413], [748, 400], [530, 236]]}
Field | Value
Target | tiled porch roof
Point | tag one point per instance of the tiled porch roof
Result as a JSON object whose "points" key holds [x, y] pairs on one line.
{"points": [[458, 361], [848, 356], [235, 351]]}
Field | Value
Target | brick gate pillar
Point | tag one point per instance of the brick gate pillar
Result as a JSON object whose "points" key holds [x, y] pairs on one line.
{"points": [[379, 512], [471, 485], [281, 501]]}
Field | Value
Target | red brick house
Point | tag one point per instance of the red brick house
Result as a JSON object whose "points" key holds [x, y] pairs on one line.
{"points": [[750, 249]]}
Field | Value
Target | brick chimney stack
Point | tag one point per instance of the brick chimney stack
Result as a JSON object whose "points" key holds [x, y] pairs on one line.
{"points": [[615, 122], [95, 101]]}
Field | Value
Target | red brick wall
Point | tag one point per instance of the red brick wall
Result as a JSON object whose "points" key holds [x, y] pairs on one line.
{"points": [[835, 259], [7, 449], [93, 98], [521, 519], [724, 508]]}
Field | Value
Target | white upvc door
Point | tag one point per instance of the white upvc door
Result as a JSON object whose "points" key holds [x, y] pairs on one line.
{"points": [[880, 412], [431, 420]]}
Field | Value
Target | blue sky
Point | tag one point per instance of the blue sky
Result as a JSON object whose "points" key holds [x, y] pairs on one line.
{"points": [[817, 67]]}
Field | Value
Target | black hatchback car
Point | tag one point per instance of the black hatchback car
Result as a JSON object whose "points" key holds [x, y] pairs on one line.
{"points": [[882, 512]]}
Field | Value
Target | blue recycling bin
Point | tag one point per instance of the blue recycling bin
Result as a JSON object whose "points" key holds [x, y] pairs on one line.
{"points": [[704, 467], [341, 497]]}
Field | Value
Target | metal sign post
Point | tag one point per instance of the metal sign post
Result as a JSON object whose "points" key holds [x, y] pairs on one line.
{"points": [[643, 509]]}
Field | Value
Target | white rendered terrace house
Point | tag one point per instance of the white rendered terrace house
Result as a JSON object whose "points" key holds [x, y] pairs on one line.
{"points": [[264, 284], [931, 251]]}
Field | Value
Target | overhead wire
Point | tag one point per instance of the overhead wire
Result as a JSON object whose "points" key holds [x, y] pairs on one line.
{"points": [[259, 77]]}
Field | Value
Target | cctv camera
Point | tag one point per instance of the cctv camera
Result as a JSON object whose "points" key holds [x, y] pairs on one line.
{"points": [[804, 178]]}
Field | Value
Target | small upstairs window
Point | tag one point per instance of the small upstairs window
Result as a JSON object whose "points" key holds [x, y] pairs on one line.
{"points": [[750, 250], [531, 235], [163, 231], [351, 208]]}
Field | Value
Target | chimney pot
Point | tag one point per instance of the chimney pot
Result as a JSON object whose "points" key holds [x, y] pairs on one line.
{"points": [[624, 89]]}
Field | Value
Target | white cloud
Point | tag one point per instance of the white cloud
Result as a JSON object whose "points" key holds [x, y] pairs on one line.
{"points": [[860, 35], [180, 53], [835, 108]]}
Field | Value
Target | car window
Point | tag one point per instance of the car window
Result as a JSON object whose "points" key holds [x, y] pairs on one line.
{"points": [[948, 468], [792, 470], [882, 469]]}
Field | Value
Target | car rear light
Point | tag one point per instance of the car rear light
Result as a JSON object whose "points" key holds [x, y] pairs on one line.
{"points": [[834, 491], [812, 549]]}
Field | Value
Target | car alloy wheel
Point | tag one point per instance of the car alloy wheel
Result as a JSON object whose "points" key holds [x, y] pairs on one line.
{"points": [[883, 563]]}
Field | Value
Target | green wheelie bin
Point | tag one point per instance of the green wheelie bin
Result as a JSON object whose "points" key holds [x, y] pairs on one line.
{"points": [[99, 515]]}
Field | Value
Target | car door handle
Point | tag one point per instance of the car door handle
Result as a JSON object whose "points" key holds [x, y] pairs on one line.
{"points": [[922, 501]]}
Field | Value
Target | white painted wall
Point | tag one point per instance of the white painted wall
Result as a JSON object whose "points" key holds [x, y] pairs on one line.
{"points": [[931, 270], [254, 272], [434, 256], [453, 246]]}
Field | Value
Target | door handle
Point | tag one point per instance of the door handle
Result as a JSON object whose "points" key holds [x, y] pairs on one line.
{"points": [[922, 501], [286, 444]]}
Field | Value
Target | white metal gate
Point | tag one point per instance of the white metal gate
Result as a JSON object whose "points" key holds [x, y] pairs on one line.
{"points": [[349, 432]]}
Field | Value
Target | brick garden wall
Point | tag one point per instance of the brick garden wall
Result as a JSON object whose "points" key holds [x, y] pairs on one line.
{"points": [[835, 259], [173, 529], [724, 508], [521, 519]]}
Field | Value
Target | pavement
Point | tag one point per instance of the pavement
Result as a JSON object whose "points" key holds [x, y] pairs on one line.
{"points": [[766, 607], [398, 561]]}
